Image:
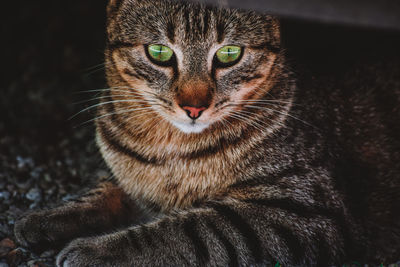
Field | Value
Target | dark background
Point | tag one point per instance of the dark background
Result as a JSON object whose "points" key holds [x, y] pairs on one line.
{"points": [[371, 13], [51, 51]]}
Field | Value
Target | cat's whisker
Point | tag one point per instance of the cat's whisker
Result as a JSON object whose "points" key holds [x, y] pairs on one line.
{"points": [[106, 103], [147, 125], [89, 71], [261, 124], [96, 66], [133, 90], [125, 89], [225, 120], [259, 121], [274, 121], [94, 71], [165, 107], [282, 113], [272, 101], [120, 112], [260, 91], [103, 89], [111, 97], [225, 106], [137, 114], [99, 92], [247, 120]]}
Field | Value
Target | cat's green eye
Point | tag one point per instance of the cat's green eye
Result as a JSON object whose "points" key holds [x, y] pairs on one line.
{"points": [[229, 54], [160, 53]]}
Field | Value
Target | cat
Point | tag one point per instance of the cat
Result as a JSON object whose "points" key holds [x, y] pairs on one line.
{"points": [[222, 155]]}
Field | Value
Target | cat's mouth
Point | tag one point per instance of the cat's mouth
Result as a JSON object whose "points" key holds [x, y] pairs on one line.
{"points": [[191, 127]]}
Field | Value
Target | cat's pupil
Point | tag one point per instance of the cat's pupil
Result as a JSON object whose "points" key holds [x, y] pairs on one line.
{"points": [[229, 54], [160, 53]]}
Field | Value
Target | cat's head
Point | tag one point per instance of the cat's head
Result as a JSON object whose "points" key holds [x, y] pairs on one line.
{"points": [[190, 65]]}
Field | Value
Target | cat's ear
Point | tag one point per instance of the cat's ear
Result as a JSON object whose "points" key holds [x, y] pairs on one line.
{"points": [[274, 32], [113, 6]]}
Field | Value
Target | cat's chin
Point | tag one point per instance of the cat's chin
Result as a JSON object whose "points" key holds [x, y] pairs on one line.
{"points": [[188, 128]]}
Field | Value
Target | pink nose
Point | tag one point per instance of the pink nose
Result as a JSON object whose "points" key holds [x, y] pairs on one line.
{"points": [[193, 112]]}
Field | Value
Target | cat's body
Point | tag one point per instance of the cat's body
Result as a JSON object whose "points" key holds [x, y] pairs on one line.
{"points": [[303, 170]]}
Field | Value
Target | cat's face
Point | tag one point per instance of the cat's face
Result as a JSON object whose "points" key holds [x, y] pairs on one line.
{"points": [[193, 66]]}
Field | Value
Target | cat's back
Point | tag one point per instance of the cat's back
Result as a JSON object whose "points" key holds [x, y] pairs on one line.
{"points": [[351, 95], [369, 139]]}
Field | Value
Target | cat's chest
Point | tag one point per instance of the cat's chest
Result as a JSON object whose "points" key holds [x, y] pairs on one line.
{"points": [[174, 182]]}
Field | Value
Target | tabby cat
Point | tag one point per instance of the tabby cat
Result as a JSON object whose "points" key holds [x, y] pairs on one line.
{"points": [[223, 157]]}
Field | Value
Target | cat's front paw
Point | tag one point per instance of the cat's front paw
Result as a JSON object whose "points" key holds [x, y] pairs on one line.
{"points": [[95, 251], [32, 230], [79, 252]]}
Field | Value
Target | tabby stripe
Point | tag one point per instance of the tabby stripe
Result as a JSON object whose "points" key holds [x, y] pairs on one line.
{"points": [[206, 22], [116, 120], [221, 145], [272, 179], [230, 249], [220, 32], [77, 201], [116, 145], [308, 212], [211, 150], [111, 46], [110, 109], [187, 21], [290, 171], [268, 46], [246, 79], [319, 193], [323, 251], [292, 242], [130, 73], [250, 237], [146, 77], [141, 68], [200, 248], [249, 183], [294, 207], [109, 137], [170, 29], [152, 206], [133, 239], [146, 236], [183, 258]]}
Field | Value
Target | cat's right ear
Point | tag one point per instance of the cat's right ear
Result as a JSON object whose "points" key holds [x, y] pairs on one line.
{"points": [[113, 6]]}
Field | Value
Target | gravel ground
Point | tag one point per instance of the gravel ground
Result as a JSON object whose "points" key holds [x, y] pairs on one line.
{"points": [[49, 50]]}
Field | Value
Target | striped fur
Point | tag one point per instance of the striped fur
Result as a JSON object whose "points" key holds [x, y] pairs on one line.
{"points": [[273, 179]]}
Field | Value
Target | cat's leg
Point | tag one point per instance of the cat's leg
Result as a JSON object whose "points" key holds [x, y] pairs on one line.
{"points": [[250, 232], [102, 209]]}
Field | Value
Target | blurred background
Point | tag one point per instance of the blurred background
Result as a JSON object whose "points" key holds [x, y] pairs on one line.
{"points": [[52, 51]]}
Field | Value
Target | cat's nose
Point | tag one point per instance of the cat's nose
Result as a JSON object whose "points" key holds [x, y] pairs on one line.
{"points": [[193, 112]]}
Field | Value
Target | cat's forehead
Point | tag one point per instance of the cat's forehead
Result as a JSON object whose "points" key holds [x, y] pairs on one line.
{"points": [[175, 21]]}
